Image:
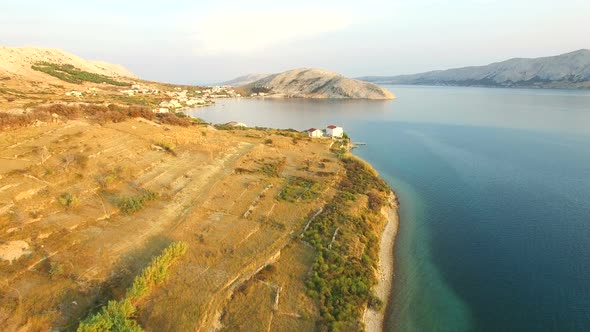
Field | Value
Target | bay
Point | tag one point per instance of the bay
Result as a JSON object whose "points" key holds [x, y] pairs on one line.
{"points": [[494, 186]]}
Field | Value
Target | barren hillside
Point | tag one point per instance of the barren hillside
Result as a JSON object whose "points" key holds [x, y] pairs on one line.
{"points": [[17, 61]]}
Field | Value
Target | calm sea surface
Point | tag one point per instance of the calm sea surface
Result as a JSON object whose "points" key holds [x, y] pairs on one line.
{"points": [[494, 186]]}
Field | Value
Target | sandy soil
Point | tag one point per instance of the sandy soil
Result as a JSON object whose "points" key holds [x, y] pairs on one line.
{"points": [[374, 320], [13, 250]]}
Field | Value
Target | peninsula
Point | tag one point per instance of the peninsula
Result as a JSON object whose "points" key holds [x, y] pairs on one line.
{"points": [[119, 212]]}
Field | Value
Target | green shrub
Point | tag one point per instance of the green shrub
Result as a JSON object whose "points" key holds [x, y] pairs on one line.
{"points": [[68, 200], [298, 188], [118, 315], [115, 316], [156, 272], [130, 205], [56, 269]]}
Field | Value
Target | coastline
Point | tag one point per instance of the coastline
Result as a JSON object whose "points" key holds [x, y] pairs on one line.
{"points": [[375, 320]]}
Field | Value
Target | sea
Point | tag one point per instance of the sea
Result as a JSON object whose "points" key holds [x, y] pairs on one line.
{"points": [[494, 191]]}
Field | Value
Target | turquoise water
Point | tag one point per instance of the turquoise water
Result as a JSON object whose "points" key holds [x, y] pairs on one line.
{"points": [[494, 186]]}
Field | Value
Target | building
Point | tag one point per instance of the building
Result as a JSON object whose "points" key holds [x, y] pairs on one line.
{"points": [[161, 110], [74, 93], [312, 132], [236, 124], [334, 131]]}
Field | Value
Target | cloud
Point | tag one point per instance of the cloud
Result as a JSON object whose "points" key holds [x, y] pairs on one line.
{"points": [[247, 32]]}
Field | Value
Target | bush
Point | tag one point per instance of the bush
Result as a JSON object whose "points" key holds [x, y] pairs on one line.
{"points": [[106, 180], [56, 269], [130, 205]]}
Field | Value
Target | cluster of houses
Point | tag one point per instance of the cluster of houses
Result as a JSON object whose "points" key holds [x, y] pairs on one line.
{"points": [[181, 98], [329, 131], [137, 89]]}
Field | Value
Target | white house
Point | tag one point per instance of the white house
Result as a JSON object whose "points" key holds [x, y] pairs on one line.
{"points": [[171, 104], [161, 110], [74, 93], [236, 124], [312, 132], [334, 131], [195, 101]]}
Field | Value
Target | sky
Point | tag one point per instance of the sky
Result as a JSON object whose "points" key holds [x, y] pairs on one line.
{"points": [[198, 42]]}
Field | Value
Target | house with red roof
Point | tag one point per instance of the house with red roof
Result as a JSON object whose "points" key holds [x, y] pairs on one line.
{"points": [[313, 132], [334, 131]]}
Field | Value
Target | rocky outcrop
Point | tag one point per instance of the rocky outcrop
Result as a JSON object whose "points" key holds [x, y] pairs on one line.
{"points": [[569, 70], [317, 83]]}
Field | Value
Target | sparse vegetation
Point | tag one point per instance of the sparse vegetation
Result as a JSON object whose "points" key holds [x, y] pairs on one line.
{"points": [[166, 147], [106, 180], [132, 204], [101, 114], [74, 75], [177, 119], [56, 269], [68, 200], [273, 168], [74, 160], [298, 188]]}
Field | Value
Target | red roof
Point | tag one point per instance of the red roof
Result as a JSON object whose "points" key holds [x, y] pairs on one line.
{"points": [[311, 129], [332, 127]]}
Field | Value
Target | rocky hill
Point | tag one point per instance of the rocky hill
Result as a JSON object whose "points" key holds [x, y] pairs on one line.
{"points": [[17, 62], [569, 70], [317, 83]]}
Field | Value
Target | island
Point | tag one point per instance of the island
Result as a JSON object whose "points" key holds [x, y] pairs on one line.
{"points": [[309, 83]]}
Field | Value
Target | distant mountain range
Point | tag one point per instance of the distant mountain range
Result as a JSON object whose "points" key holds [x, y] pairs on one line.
{"points": [[243, 80], [569, 70], [310, 83]]}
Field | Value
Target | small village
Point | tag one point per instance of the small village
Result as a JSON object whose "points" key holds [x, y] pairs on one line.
{"points": [[176, 99]]}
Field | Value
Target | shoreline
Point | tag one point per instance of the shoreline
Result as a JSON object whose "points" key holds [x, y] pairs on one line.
{"points": [[375, 320]]}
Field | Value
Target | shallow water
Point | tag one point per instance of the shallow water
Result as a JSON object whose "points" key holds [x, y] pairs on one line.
{"points": [[494, 186]]}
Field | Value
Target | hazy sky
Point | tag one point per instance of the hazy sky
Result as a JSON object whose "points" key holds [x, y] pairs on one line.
{"points": [[209, 41]]}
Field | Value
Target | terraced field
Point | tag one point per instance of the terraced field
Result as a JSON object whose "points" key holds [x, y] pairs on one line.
{"points": [[68, 246]]}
